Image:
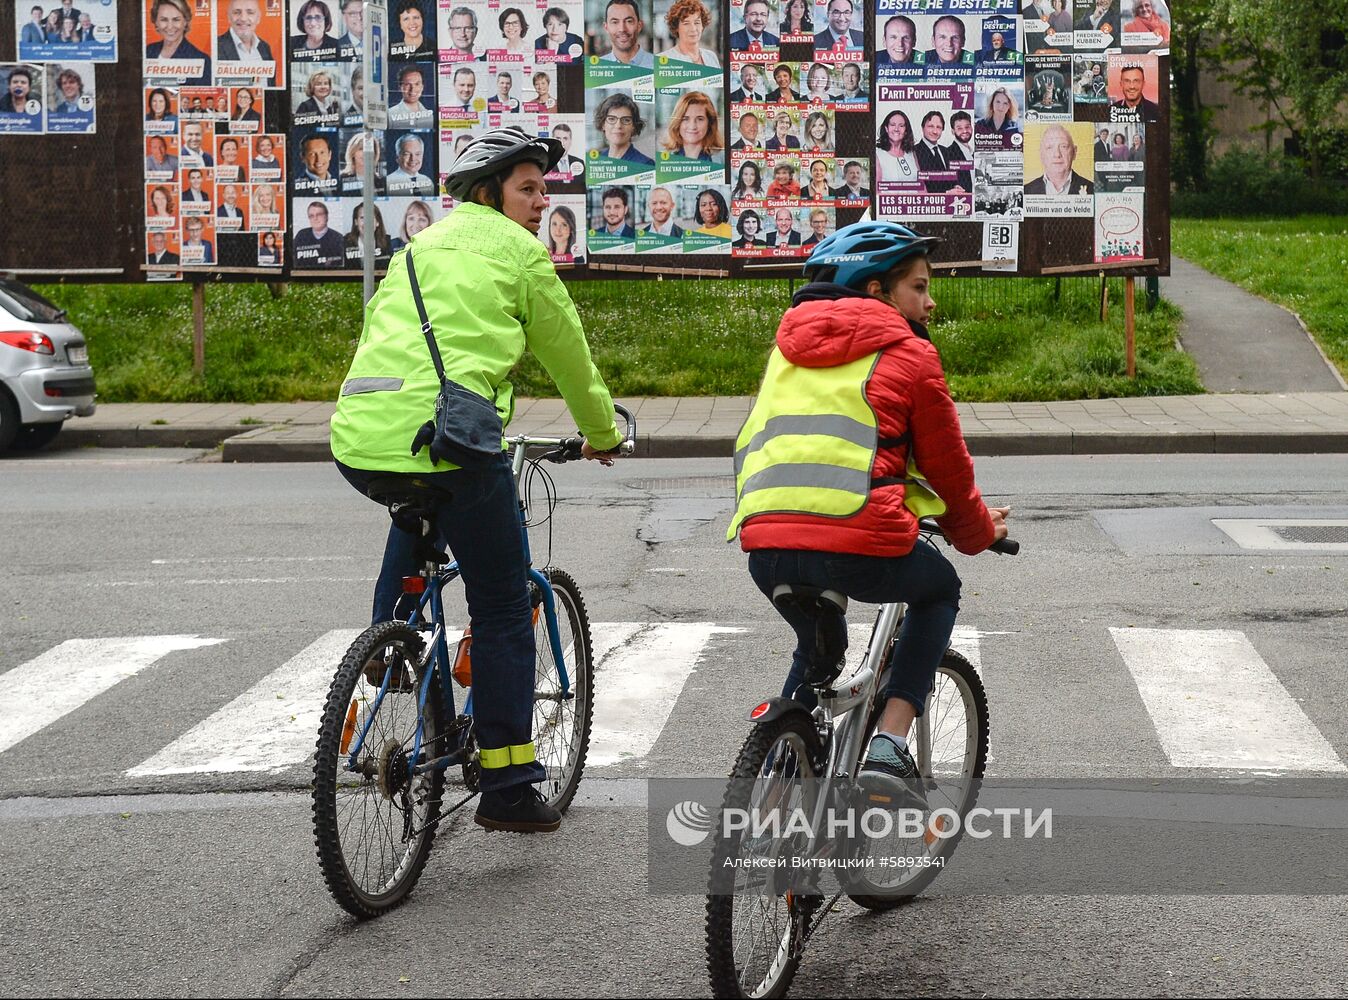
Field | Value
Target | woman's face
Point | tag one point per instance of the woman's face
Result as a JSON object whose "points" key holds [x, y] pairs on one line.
{"points": [[895, 131], [782, 78], [1001, 106], [410, 22], [245, 100], [160, 201], [559, 231], [818, 171], [819, 130], [269, 241], [818, 80], [158, 105], [358, 157], [266, 198], [750, 225], [706, 207], [416, 220], [514, 28], [229, 153], [693, 128], [618, 126], [797, 11], [170, 23], [315, 25], [782, 125], [322, 86], [358, 219], [264, 147], [543, 85], [749, 176], [556, 30], [690, 30]]}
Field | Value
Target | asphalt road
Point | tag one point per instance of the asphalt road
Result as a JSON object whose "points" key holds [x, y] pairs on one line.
{"points": [[127, 883]]}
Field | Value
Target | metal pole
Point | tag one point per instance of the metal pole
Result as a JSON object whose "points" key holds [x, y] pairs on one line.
{"points": [[368, 249], [1128, 318]]}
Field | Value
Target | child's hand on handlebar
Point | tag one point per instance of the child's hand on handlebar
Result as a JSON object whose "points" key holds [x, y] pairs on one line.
{"points": [[999, 516]]}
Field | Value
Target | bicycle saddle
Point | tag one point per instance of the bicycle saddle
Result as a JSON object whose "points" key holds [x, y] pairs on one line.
{"points": [[406, 490], [828, 608]]}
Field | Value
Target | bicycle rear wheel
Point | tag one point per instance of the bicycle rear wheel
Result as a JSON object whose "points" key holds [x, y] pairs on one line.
{"points": [[957, 718], [562, 720], [755, 933], [374, 819]]}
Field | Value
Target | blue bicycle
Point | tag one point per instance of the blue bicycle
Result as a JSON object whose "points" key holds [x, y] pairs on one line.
{"points": [[390, 732]]}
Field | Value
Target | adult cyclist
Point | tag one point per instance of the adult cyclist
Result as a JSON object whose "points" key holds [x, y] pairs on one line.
{"points": [[490, 291], [853, 391]]}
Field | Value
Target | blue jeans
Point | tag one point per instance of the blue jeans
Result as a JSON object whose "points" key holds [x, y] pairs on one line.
{"points": [[924, 579], [481, 526]]}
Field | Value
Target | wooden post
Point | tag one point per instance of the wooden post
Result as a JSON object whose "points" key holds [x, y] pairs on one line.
{"points": [[1128, 316], [1104, 298], [199, 327]]}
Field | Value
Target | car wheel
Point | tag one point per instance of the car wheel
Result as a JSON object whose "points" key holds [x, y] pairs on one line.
{"points": [[9, 421], [33, 437]]}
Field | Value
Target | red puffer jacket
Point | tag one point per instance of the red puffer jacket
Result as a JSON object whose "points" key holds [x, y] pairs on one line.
{"points": [[908, 394]]}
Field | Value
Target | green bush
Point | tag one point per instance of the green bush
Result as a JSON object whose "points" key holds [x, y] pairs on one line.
{"points": [[1243, 182]]}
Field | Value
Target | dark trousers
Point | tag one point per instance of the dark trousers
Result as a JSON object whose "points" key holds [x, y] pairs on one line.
{"points": [[924, 579], [481, 526]]}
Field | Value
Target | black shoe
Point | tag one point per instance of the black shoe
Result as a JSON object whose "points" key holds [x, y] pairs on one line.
{"points": [[518, 809], [889, 777]]}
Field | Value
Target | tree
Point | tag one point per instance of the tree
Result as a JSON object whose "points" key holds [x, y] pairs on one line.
{"points": [[1192, 47], [1293, 58]]}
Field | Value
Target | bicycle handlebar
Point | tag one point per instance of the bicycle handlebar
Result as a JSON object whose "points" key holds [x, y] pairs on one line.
{"points": [[1004, 546], [570, 449]]}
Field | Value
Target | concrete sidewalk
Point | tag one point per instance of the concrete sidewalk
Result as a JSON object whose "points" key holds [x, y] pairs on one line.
{"points": [[706, 427]]}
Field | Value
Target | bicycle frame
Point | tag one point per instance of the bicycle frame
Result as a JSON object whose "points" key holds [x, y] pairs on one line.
{"points": [[430, 609]]}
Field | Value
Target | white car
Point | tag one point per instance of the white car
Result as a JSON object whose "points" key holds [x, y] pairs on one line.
{"points": [[45, 376]]}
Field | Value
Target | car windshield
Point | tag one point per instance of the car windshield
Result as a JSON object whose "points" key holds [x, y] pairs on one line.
{"points": [[27, 305]]}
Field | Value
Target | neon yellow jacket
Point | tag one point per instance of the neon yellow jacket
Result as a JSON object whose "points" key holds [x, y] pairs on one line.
{"points": [[491, 291]]}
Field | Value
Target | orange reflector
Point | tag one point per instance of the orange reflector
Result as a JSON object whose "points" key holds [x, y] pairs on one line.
{"points": [[885, 799], [349, 729], [537, 609], [414, 585], [463, 660], [934, 829]]}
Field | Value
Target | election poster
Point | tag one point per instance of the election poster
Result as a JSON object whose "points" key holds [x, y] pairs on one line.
{"points": [[65, 33], [250, 43], [1055, 153], [71, 97], [22, 110], [178, 40], [563, 228]]}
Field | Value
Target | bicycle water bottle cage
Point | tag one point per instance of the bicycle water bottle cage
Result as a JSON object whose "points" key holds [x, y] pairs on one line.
{"points": [[828, 608]]}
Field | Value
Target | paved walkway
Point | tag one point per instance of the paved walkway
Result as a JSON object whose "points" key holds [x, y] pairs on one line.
{"points": [[706, 426], [1272, 392]]}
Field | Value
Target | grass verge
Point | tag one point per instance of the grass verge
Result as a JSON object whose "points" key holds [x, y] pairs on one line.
{"points": [[1001, 340], [1299, 263]]}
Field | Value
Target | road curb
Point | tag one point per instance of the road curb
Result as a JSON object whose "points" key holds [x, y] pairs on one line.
{"points": [[147, 436]]}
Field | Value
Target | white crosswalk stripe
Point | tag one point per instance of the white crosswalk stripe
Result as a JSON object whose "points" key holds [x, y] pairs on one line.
{"points": [[1215, 702], [43, 690], [271, 725]]}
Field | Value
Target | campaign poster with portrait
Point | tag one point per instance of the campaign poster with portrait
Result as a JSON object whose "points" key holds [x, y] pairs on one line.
{"points": [[946, 40], [452, 143], [406, 216], [687, 39], [203, 104], [898, 57], [411, 96], [998, 110], [250, 43], [999, 184], [163, 248], [690, 136], [852, 183], [924, 166], [539, 89], [412, 31], [267, 207], [1146, 26], [315, 98], [815, 223], [1047, 27], [66, 33], [70, 97], [569, 130], [619, 39], [610, 210], [317, 243], [198, 246], [313, 162], [314, 32], [410, 158], [161, 157], [1134, 88], [840, 36], [267, 158], [351, 41], [161, 111], [818, 132], [783, 236], [461, 27], [198, 144], [231, 210], [1090, 80], [352, 224], [563, 228], [559, 40], [816, 179], [1058, 166], [231, 158], [503, 100], [748, 222], [622, 138], [753, 30], [178, 39], [507, 31], [1121, 163], [1048, 93], [161, 206], [245, 110], [196, 191], [1098, 26], [463, 93], [271, 248], [998, 56], [703, 214], [797, 24], [854, 87], [351, 164]]}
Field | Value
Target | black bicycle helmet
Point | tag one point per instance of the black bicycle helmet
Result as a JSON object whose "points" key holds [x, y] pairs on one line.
{"points": [[495, 152]]}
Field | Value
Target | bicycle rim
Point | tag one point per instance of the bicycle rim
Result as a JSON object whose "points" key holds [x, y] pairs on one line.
{"points": [[755, 932], [374, 822], [958, 720], [562, 720]]}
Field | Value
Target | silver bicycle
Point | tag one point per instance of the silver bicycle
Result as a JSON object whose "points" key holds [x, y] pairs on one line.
{"points": [[764, 902]]}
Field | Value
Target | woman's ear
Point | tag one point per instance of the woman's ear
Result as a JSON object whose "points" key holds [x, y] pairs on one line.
{"points": [[874, 289]]}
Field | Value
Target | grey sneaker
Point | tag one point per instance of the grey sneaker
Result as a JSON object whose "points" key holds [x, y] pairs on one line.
{"points": [[889, 777]]}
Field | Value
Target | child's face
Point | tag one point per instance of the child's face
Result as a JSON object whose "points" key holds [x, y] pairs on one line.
{"points": [[911, 295]]}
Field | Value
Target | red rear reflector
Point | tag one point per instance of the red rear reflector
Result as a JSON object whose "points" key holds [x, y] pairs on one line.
{"points": [[414, 585], [761, 710]]}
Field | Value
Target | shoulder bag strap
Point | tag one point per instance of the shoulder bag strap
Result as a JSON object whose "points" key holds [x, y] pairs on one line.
{"points": [[425, 320]]}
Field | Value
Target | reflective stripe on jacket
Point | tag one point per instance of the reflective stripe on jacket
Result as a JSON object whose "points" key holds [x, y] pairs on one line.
{"points": [[491, 292]]}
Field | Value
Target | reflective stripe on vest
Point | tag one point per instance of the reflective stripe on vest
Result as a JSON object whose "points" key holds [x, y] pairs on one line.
{"points": [[809, 443]]}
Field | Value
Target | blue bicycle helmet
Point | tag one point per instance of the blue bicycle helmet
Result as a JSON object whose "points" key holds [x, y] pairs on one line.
{"points": [[864, 250]]}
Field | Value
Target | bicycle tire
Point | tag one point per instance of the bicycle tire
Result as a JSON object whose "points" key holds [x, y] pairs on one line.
{"points": [[383, 798], [955, 675], [562, 733], [723, 965]]}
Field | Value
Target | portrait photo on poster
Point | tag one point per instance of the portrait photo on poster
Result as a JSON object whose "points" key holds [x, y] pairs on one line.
{"points": [[314, 162], [161, 110], [314, 27], [690, 136], [250, 43], [351, 142], [411, 162], [1098, 26], [71, 99], [352, 222], [1146, 26], [508, 32], [563, 229], [61, 31], [569, 130], [840, 28], [412, 31], [559, 39], [411, 96], [231, 158], [315, 95], [266, 160], [1134, 87], [316, 241], [179, 37], [622, 138], [267, 207], [270, 248], [1056, 154], [245, 109], [688, 45], [753, 27], [997, 107], [618, 40], [610, 211]]}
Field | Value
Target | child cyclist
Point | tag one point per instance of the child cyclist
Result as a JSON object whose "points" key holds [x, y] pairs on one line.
{"points": [[853, 392]]}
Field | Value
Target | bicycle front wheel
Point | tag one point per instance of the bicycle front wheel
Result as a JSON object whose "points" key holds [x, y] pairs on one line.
{"points": [[375, 810], [957, 741], [756, 930], [563, 714]]}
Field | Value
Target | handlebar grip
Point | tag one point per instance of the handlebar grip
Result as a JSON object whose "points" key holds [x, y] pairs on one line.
{"points": [[1006, 547]]}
